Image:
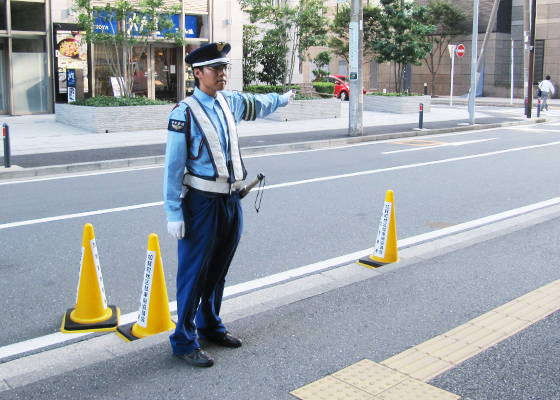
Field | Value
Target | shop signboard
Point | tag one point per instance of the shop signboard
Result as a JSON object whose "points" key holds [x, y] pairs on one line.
{"points": [[71, 53], [191, 26]]}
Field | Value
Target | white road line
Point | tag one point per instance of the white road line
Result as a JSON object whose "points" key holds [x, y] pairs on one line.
{"points": [[79, 215], [59, 338], [70, 175], [438, 145], [375, 171], [281, 185], [282, 153]]}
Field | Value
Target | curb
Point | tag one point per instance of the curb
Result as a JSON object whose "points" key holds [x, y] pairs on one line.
{"points": [[278, 148]]}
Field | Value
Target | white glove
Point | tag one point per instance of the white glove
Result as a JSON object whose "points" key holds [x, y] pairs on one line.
{"points": [[291, 94], [176, 229]]}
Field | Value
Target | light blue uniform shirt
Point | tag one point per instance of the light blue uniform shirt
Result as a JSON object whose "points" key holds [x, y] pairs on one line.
{"points": [[199, 162]]}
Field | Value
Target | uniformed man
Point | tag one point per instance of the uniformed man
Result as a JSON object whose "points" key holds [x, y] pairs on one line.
{"points": [[201, 201]]}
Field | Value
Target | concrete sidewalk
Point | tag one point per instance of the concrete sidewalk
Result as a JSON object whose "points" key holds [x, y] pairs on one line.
{"points": [[41, 134]]}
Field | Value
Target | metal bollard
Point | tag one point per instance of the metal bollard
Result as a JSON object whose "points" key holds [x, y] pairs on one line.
{"points": [[421, 117], [539, 108], [6, 136], [425, 89]]}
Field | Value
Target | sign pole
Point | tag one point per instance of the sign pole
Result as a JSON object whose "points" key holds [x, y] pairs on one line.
{"points": [[451, 49], [356, 117], [472, 93], [511, 98]]}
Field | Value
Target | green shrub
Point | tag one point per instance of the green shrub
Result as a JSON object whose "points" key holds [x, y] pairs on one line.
{"points": [[304, 97], [265, 89], [105, 101], [324, 87], [403, 94]]}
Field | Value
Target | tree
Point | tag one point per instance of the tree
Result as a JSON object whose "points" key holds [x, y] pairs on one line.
{"points": [[322, 59], [273, 57], [448, 20], [296, 28], [118, 27], [339, 29], [400, 36], [251, 53]]}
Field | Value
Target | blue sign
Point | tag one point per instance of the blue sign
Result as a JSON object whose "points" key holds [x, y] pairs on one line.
{"points": [[71, 77], [71, 94], [105, 23], [191, 26]]}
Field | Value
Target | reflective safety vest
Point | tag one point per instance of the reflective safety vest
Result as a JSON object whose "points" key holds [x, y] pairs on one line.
{"points": [[221, 182]]}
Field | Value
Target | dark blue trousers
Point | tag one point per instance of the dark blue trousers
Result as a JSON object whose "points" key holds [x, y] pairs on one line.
{"points": [[213, 228]]}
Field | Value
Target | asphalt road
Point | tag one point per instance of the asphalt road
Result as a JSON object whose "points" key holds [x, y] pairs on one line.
{"points": [[317, 205], [298, 224]]}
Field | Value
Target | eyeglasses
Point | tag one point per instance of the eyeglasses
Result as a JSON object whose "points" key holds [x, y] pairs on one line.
{"points": [[218, 68]]}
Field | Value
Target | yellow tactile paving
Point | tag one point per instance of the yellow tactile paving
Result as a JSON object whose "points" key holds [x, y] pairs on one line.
{"points": [[412, 389], [370, 377], [403, 376], [330, 388]]}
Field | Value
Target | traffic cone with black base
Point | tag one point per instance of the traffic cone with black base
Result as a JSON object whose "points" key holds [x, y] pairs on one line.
{"points": [[91, 313], [154, 315], [385, 251]]}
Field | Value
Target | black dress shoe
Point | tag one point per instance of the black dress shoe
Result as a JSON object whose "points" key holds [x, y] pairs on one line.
{"points": [[197, 358], [226, 339]]}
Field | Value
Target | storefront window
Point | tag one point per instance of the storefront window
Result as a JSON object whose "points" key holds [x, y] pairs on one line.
{"points": [[103, 66], [2, 15], [28, 15], [29, 70], [189, 75]]}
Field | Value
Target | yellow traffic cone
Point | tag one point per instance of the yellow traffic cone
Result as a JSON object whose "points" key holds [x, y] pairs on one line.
{"points": [[153, 316], [91, 313], [385, 251]]}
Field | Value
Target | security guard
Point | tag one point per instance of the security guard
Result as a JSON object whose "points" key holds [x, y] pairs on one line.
{"points": [[201, 201]]}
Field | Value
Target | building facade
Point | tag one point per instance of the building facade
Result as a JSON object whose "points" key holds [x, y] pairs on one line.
{"points": [[39, 41], [506, 39]]}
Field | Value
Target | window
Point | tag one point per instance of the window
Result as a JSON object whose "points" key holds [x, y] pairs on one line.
{"points": [[2, 14], [373, 74], [539, 62], [28, 16], [343, 68], [30, 81]]}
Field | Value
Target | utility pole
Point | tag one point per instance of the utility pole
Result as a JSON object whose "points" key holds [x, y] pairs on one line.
{"points": [[356, 120], [526, 29], [531, 59], [472, 93]]}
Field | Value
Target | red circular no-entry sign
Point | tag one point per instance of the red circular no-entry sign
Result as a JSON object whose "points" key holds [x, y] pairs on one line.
{"points": [[460, 51]]}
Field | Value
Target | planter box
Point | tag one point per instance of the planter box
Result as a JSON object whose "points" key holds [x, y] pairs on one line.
{"points": [[299, 110], [114, 119], [397, 104]]}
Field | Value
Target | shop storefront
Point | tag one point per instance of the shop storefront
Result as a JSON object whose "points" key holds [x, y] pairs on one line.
{"points": [[159, 68], [25, 69], [34, 59]]}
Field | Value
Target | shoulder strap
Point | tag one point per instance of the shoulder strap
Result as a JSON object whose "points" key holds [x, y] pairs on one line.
{"points": [[188, 136]]}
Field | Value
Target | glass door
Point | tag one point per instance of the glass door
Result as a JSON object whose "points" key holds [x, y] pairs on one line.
{"points": [[141, 73], [165, 73]]}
